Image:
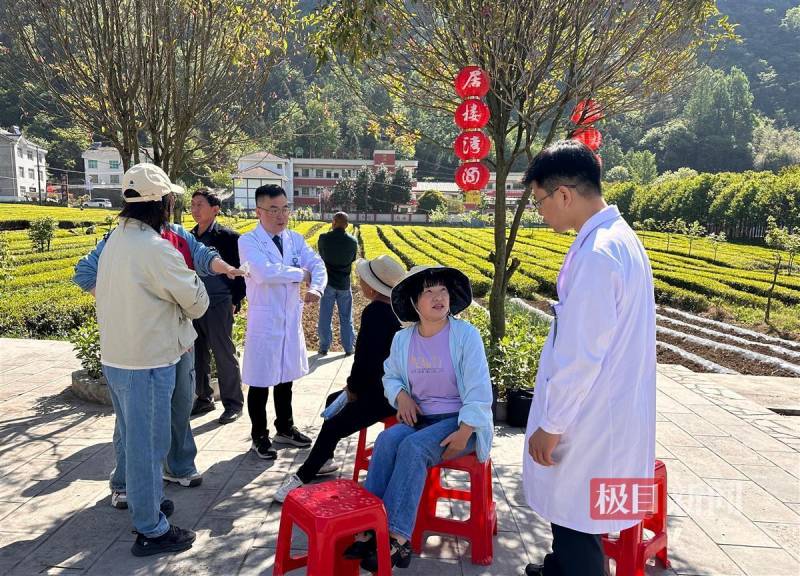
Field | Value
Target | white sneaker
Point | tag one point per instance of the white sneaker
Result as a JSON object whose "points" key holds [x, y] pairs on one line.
{"points": [[190, 481], [328, 468], [291, 483], [119, 499]]}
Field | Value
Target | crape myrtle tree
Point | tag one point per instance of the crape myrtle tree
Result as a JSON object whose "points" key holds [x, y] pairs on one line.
{"points": [[542, 56]]}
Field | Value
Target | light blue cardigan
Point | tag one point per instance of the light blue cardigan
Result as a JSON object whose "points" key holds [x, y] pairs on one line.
{"points": [[472, 377]]}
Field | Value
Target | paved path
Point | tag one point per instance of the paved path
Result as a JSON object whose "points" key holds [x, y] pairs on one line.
{"points": [[734, 483]]}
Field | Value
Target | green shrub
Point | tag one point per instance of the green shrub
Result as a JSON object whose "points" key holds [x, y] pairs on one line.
{"points": [[86, 343], [41, 232], [514, 360]]}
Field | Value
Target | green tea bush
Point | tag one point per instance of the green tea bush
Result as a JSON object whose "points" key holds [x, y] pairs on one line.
{"points": [[86, 342]]}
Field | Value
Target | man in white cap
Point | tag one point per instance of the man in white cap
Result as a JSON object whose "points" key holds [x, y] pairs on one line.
{"points": [[179, 466], [146, 300]]}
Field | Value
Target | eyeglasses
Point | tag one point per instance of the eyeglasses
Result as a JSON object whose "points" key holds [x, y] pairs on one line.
{"points": [[273, 211], [538, 203]]}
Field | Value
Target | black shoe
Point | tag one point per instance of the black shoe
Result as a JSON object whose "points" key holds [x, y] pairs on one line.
{"points": [[202, 405], [399, 555], [360, 549], [263, 448], [167, 507], [293, 437], [322, 353], [534, 570], [349, 353], [173, 540], [229, 416]]}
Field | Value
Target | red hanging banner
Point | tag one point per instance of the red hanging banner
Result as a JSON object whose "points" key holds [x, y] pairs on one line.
{"points": [[590, 136], [472, 145], [586, 112], [471, 114], [472, 82], [472, 176]]}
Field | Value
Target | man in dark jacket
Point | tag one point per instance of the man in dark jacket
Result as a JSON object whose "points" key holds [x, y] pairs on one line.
{"points": [[214, 329], [338, 250]]}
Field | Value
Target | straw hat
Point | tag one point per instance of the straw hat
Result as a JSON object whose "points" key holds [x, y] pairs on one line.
{"points": [[381, 273], [404, 294]]}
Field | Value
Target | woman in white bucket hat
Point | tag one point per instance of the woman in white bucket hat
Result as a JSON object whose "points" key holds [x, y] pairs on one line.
{"points": [[362, 403]]}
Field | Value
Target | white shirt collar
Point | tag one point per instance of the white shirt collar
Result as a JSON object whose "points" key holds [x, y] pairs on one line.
{"points": [[605, 215]]}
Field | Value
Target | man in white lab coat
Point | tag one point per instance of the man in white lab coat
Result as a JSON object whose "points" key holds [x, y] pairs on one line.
{"points": [[278, 261], [593, 413]]}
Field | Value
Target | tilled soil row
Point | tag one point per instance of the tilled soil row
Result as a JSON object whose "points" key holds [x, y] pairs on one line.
{"points": [[670, 357], [726, 358], [755, 338], [754, 347]]}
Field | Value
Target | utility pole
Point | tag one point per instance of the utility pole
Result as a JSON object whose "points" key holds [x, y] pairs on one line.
{"points": [[38, 175]]}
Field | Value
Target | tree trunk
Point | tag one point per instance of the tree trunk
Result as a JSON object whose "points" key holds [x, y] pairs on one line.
{"points": [[772, 288], [497, 314]]}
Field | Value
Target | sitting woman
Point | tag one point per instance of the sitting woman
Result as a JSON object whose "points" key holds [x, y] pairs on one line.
{"points": [[366, 403], [437, 378]]}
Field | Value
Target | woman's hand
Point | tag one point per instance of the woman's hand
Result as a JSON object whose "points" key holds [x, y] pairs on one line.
{"points": [[407, 409], [456, 442]]}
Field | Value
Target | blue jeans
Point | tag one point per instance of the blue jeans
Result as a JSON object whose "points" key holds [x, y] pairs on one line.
{"points": [[182, 449], [344, 302], [400, 462], [141, 401]]}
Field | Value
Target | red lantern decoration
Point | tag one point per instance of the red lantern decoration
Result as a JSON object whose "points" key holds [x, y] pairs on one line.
{"points": [[586, 112], [472, 82], [474, 145], [589, 136], [471, 114], [472, 176]]}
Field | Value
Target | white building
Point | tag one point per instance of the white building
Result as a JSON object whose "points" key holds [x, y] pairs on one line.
{"points": [[514, 189], [259, 169], [305, 179], [103, 169], [23, 168]]}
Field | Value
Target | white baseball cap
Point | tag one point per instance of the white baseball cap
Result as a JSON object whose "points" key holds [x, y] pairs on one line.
{"points": [[150, 181]]}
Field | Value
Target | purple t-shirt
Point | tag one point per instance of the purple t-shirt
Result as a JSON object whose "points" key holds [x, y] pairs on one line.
{"points": [[431, 374]]}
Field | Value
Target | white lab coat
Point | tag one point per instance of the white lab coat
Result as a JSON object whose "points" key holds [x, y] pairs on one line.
{"points": [[274, 345], [596, 384]]}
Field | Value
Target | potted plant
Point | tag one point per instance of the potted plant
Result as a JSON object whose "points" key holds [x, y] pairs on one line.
{"points": [[89, 383]]}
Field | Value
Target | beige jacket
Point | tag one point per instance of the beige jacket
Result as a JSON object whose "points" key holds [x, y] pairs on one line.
{"points": [[146, 299]]}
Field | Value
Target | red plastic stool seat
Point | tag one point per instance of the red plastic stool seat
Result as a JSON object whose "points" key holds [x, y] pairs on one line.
{"points": [[363, 453], [630, 550], [480, 527], [330, 514]]}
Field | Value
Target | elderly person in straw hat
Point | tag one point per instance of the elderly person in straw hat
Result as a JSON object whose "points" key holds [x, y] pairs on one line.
{"points": [[437, 378], [362, 403]]}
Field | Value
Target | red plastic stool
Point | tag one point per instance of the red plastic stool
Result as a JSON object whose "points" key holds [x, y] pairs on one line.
{"points": [[330, 514], [362, 452], [481, 525], [630, 550]]}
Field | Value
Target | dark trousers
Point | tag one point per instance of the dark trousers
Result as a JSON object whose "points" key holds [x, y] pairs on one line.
{"points": [[352, 418], [257, 409], [574, 554], [214, 330]]}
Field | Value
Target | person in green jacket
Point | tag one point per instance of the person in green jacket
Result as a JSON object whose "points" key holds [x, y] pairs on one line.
{"points": [[338, 250]]}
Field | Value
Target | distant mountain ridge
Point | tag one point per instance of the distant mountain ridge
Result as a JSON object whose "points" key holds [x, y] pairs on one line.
{"points": [[769, 54]]}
